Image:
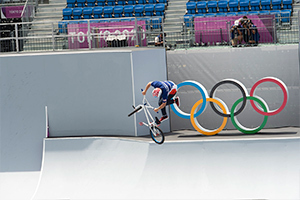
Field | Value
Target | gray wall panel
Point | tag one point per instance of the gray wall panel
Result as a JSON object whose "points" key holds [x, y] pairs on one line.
{"points": [[248, 65]]}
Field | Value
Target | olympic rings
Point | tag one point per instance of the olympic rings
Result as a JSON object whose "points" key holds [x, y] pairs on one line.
{"points": [[204, 96], [222, 108], [198, 127]]}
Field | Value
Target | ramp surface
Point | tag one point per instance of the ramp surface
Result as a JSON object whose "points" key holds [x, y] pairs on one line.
{"points": [[112, 168]]}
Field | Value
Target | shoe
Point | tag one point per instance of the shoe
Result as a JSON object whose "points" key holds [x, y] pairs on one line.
{"points": [[163, 118], [177, 101]]}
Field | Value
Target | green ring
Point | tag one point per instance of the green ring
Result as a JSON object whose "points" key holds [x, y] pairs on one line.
{"points": [[241, 129]]}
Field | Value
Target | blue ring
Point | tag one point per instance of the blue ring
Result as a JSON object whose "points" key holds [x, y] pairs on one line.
{"points": [[204, 96]]}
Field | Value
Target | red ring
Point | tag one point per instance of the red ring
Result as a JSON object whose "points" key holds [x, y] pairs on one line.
{"points": [[284, 90]]}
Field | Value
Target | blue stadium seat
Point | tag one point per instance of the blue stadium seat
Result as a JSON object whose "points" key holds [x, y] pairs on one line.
{"points": [[265, 4], [276, 4], [101, 2], [141, 2], [77, 13], [62, 27], [97, 12], [285, 16], [107, 11], [163, 1], [212, 6], [149, 10], [287, 4], [114, 20], [151, 1], [255, 5], [156, 22], [223, 6], [160, 9], [244, 5], [87, 12], [71, 3], [210, 14], [121, 2], [231, 14], [276, 13], [67, 13], [188, 20], [264, 12], [90, 3], [131, 2], [128, 11], [202, 7], [118, 11], [191, 7], [253, 13], [233, 6], [80, 3], [139, 10], [110, 2], [199, 15], [224, 14]]}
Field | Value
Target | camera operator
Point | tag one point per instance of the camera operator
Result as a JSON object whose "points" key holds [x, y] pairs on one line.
{"points": [[254, 35], [236, 34], [246, 32]]}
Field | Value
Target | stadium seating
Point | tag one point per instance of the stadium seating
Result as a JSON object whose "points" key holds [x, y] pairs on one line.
{"points": [[128, 11], [264, 12], [188, 20], [156, 22], [90, 3], [253, 13], [149, 10], [242, 13], [141, 2], [62, 27], [191, 7], [107, 11], [224, 14], [130, 2], [71, 3], [151, 1], [97, 12], [276, 4], [210, 15], [223, 6], [265, 4], [77, 13], [212, 6], [118, 11], [202, 6], [287, 4], [276, 13], [121, 2], [139, 10], [160, 9], [232, 14], [110, 2], [87, 12], [285, 16], [163, 1], [80, 3], [67, 13], [233, 6], [255, 5], [244, 5]]}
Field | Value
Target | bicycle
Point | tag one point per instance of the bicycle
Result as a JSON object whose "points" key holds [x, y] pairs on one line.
{"points": [[156, 133]]}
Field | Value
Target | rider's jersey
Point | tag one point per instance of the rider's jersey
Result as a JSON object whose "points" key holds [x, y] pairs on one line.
{"points": [[165, 86]]}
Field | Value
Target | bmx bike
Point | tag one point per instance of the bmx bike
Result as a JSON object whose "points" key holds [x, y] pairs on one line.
{"points": [[156, 133]]}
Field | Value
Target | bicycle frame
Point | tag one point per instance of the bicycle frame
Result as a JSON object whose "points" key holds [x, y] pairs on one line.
{"points": [[146, 106]]}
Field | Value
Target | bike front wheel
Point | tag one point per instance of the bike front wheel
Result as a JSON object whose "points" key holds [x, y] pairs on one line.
{"points": [[157, 135]]}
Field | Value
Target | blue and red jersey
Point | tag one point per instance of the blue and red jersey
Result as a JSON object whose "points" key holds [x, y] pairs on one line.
{"points": [[166, 87]]}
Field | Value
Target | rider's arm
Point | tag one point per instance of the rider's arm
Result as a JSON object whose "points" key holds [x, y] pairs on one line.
{"points": [[146, 88], [160, 107]]}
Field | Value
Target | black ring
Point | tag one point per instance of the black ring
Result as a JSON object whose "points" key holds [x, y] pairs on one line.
{"points": [[236, 84]]}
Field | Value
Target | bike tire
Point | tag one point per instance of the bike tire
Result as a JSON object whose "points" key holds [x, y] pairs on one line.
{"points": [[135, 110], [157, 139]]}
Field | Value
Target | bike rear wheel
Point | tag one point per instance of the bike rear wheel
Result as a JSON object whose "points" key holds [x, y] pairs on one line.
{"points": [[157, 135], [135, 110]]}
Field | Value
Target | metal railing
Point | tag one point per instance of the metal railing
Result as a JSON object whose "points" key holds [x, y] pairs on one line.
{"points": [[94, 34]]}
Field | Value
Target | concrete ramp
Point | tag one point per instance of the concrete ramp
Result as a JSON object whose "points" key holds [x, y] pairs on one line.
{"points": [[111, 168]]}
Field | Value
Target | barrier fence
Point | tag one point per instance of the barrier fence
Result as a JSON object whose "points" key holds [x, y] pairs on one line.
{"points": [[131, 32]]}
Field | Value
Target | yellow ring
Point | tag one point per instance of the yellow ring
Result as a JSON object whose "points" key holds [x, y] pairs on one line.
{"points": [[197, 127]]}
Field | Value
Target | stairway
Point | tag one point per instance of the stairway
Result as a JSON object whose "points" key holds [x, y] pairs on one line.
{"points": [[45, 24]]}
